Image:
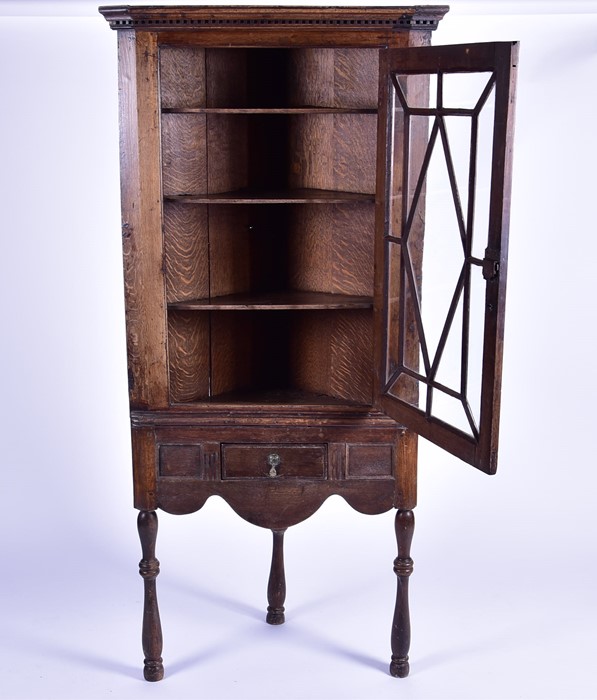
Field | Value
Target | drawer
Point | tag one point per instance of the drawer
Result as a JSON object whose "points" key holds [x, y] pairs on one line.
{"points": [[248, 461]]}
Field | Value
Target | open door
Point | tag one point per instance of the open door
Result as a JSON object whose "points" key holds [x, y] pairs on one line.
{"points": [[447, 130]]}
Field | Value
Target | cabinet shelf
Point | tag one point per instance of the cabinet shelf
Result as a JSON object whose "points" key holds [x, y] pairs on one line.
{"points": [[283, 397], [293, 196], [275, 301], [268, 110]]}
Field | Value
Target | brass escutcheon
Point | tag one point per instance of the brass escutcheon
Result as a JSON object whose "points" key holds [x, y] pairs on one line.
{"points": [[273, 461]]}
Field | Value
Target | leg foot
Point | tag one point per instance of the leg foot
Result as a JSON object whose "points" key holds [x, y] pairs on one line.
{"points": [[276, 587], [399, 668], [403, 567], [149, 568], [153, 670]]}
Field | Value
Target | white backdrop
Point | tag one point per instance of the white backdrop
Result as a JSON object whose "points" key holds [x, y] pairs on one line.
{"points": [[503, 594]]}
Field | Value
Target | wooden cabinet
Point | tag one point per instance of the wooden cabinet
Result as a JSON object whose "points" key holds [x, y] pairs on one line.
{"points": [[289, 333]]}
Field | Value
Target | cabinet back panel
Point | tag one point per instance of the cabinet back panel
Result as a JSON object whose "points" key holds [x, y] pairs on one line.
{"points": [[249, 351], [226, 77], [334, 152], [230, 249], [184, 163], [182, 77], [318, 352], [334, 78], [276, 78], [188, 354], [247, 151], [228, 139], [272, 152], [331, 248], [332, 353], [249, 248], [351, 371], [303, 247], [185, 248]]}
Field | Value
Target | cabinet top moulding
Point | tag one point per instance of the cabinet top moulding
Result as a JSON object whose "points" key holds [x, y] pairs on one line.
{"points": [[160, 17]]}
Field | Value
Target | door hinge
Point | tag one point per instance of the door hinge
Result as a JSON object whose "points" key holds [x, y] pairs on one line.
{"points": [[491, 264]]}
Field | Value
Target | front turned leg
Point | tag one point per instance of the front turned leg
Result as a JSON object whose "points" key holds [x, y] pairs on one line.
{"points": [[276, 587], [149, 568], [403, 568]]}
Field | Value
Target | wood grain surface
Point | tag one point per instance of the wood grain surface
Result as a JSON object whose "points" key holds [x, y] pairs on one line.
{"points": [[188, 351], [184, 154], [186, 247], [182, 77]]}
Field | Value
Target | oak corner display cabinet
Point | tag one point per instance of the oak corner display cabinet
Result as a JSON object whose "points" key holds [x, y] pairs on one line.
{"points": [[315, 218]]}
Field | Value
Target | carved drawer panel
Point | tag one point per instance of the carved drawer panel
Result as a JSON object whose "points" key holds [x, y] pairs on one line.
{"points": [[246, 461], [181, 460], [369, 461]]}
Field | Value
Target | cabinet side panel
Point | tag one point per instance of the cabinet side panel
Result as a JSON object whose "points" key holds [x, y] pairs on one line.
{"points": [[142, 220]]}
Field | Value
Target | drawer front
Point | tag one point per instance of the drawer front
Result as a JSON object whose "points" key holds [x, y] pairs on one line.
{"points": [[273, 461]]}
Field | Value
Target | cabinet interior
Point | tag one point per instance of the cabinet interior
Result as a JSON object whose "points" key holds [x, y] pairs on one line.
{"points": [[268, 180]]}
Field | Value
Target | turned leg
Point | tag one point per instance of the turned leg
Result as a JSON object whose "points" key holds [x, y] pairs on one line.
{"points": [[149, 568], [403, 568], [276, 587]]}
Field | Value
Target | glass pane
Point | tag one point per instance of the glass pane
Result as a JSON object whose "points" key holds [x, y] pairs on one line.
{"points": [[393, 310], [458, 131], [413, 91], [443, 250], [410, 390], [483, 176], [463, 90], [449, 366], [435, 295], [450, 410], [475, 351]]}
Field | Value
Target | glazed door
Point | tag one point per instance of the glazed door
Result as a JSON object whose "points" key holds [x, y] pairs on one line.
{"points": [[446, 138]]}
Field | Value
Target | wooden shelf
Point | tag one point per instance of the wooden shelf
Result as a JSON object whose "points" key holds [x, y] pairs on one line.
{"points": [[268, 110], [295, 196], [275, 301], [282, 397]]}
